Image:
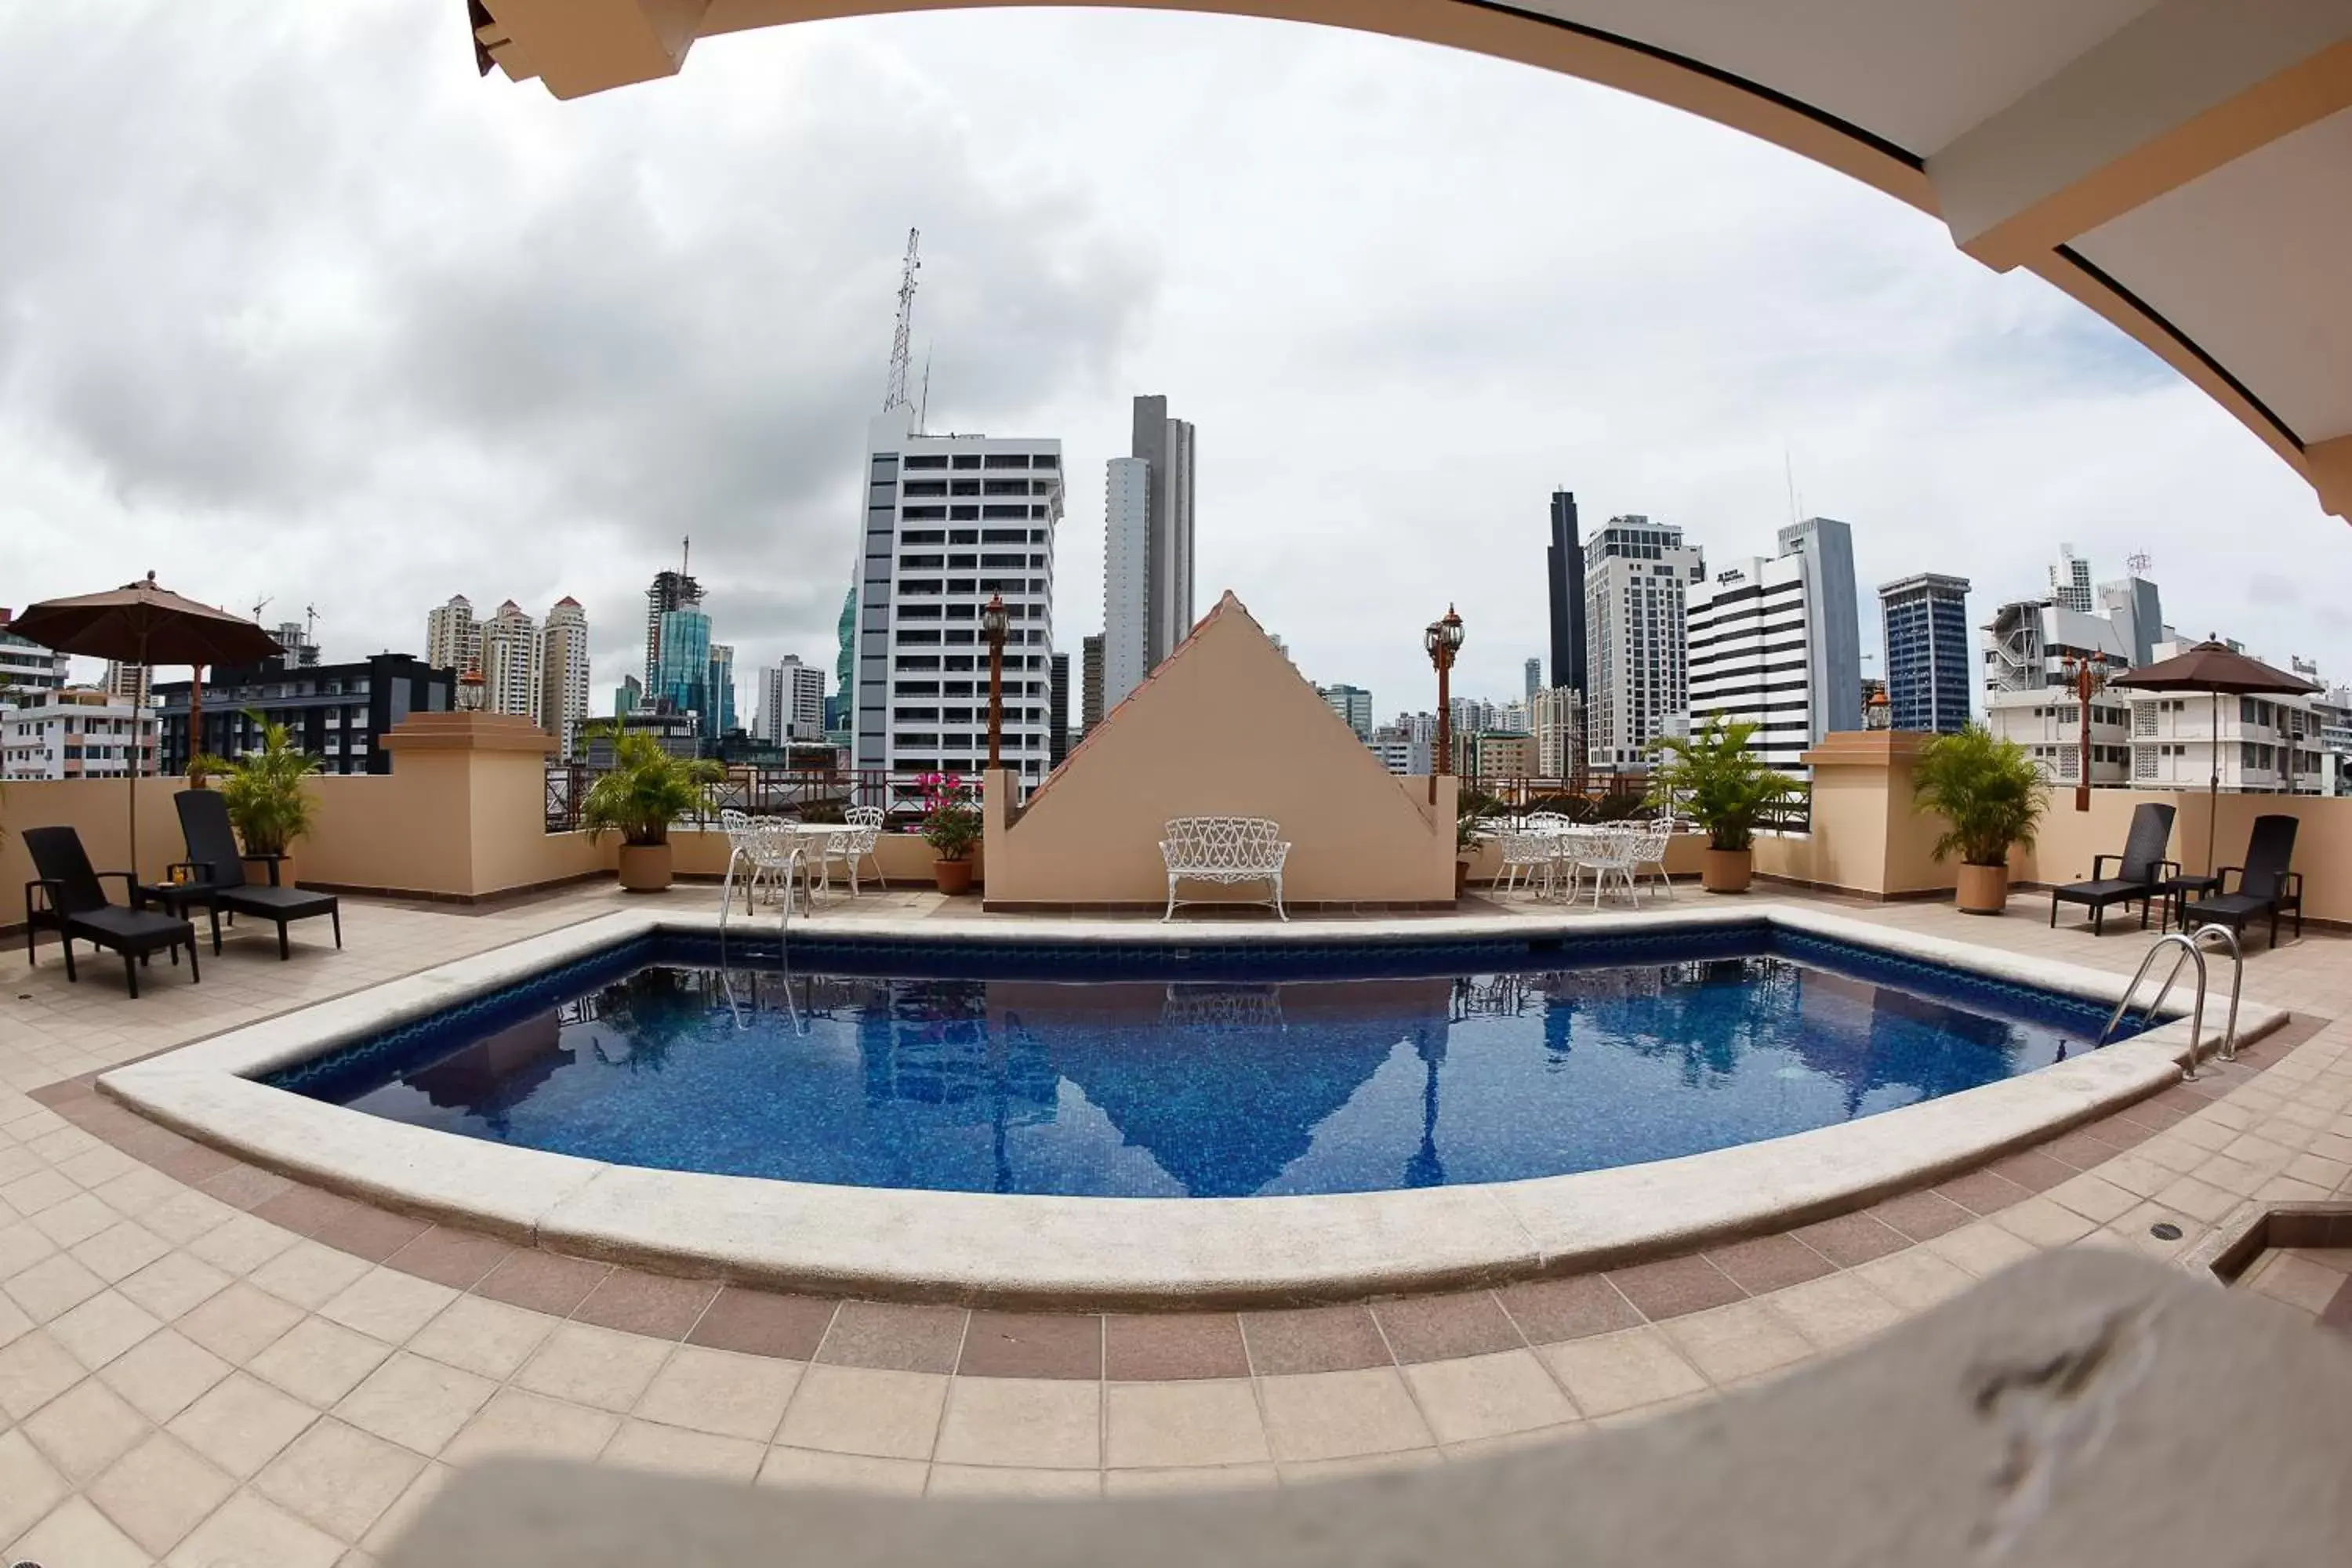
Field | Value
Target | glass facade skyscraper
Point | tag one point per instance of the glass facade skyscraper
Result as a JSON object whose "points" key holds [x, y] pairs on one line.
{"points": [[1929, 669], [681, 677]]}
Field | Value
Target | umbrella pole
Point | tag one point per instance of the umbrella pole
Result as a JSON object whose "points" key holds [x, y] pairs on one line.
{"points": [[130, 769], [2213, 787]]}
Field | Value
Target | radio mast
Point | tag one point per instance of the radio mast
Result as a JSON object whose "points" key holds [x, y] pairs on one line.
{"points": [[895, 394]]}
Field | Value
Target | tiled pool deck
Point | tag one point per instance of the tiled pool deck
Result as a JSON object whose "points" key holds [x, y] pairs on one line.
{"points": [[201, 1362]]}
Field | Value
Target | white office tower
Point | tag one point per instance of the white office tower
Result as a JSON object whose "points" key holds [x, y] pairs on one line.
{"points": [[1165, 445], [1353, 704], [563, 673], [792, 703], [512, 670], [1635, 572], [131, 683], [2070, 582], [1553, 715], [948, 521], [1127, 577], [453, 638], [1776, 644]]}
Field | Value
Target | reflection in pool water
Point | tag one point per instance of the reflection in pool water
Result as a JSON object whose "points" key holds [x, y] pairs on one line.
{"points": [[1217, 1087]]}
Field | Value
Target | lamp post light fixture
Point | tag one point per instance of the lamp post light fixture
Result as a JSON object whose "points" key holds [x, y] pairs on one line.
{"points": [[470, 690], [1442, 639], [993, 622], [2086, 676]]}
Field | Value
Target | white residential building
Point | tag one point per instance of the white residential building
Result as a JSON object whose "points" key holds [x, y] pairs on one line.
{"points": [[1127, 577], [792, 703], [563, 674], [513, 673], [948, 521], [76, 733], [1400, 751], [2070, 582], [131, 683], [2048, 722], [2266, 744], [2029, 643], [1554, 717], [27, 665], [1776, 644], [453, 638], [1635, 574]]}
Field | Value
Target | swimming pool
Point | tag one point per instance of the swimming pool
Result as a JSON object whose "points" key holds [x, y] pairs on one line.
{"points": [[1196, 1071]]}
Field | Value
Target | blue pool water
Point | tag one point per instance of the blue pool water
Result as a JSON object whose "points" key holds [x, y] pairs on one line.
{"points": [[1203, 1072]]}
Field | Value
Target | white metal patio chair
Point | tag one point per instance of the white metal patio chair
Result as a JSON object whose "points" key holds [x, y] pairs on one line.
{"points": [[1225, 851], [1609, 854], [849, 849], [1650, 851], [1531, 855]]}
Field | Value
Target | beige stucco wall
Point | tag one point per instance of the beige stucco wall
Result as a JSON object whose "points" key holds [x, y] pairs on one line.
{"points": [[1866, 837], [1226, 726], [2068, 839], [98, 809]]}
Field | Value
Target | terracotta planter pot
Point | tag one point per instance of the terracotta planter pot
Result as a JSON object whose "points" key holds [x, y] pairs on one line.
{"points": [[256, 869], [1983, 889], [1727, 870], [644, 867], [952, 876]]}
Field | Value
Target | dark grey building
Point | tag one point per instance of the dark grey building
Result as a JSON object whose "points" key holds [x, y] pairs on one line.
{"points": [[1090, 683], [1564, 572], [1057, 713], [338, 712], [1167, 445]]}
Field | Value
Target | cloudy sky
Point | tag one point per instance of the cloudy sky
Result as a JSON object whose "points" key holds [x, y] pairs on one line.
{"points": [[292, 305]]}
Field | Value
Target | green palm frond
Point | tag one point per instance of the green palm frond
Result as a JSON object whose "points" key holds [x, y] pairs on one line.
{"points": [[1711, 777], [264, 790], [645, 791], [1988, 791]]}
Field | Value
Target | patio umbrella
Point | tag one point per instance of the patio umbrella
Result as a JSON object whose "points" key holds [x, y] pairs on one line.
{"points": [[2218, 670], [141, 623]]}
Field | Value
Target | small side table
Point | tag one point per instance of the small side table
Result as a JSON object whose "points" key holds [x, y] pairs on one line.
{"points": [[172, 898], [2177, 890]]}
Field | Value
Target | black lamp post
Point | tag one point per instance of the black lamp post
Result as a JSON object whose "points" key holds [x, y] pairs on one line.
{"points": [[2085, 677], [1442, 639], [992, 624]]}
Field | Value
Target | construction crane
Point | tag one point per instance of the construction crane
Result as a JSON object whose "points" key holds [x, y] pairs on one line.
{"points": [[310, 624], [895, 395], [262, 604]]}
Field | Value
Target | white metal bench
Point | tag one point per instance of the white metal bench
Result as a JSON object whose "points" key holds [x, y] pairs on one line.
{"points": [[1225, 850]]}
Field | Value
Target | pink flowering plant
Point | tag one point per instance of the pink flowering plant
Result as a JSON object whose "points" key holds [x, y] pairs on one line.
{"points": [[951, 824]]}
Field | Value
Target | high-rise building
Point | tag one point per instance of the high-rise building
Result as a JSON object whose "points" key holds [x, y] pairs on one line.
{"points": [[2028, 644], [1057, 711], [132, 683], [453, 638], [1564, 574], [792, 703], [1090, 682], [628, 697], [1635, 572], [297, 651], [1535, 678], [680, 679], [669, 591], [1127, 577], [511, 672], [719, 689], [836, 707], [1554, 715], [1775, 643], [2070, 582], [1930, 667], [1353, 704], [563, 674], [2137, 610], [1166, 444], [25, 667], [337, 712], [947, 523]]}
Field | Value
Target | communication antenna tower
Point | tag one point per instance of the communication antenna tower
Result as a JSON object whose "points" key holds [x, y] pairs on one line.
{"points": [[923, 406], [2138, 563], [895, 395]]}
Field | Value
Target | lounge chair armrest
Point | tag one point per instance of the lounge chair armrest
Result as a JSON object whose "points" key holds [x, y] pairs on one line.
{"points": [[2222, 878], [129, 881], [2294, 880], [2170, 867], [48, 887], [2099, 866]]}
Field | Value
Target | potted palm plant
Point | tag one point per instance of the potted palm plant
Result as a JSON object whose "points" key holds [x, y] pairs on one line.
{"points": [[952, 827], [644, 791], [1990, 795], [267, 803], [1715, 780]]}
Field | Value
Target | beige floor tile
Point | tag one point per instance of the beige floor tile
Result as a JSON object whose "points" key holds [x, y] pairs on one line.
{"points": [[86, 1429], [1312, 1472], [164, 1374], [722, 1393], [674, 1450], [21, 1245], [1340, 1414], [1981, 1247], [1205, 1422], [30, 1485], [239, 1323], [416, 1402], [77, 1535], [175, 1283], [1914, 1278], [2046, 1223], [589, 1366], [241, 1425], [309, 1274], [238, 1244], [121, 1250], [488, 1338], [1011, 1482], [339, 1477], [388, 1305], [1728, 1343], [317, 1362], [2297, 1281], [75, 1220], [249, 1530], [52, 1288], [1835, 1310], [1034, 1422], [103, 1328], [2135, 1174], [1623, 1371], [811, 1467], [159, 1491], [1489, 1394], [428, 1485], [2093, 1197], [859, 1410], [1517, 1442], [514, 1422], [1190, 1478], [2197, 1199], [34, 1370], [13, 1324]]}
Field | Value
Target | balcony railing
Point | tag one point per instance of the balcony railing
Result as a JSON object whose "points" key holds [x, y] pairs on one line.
{"points": [[1602, 796], [758, 791]]}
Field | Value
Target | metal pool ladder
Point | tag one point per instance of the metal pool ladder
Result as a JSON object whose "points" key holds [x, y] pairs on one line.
{"points": [[2191, 951]]}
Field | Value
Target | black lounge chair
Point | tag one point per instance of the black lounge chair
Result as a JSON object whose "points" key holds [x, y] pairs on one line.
{"points": [[219, 874], [2265, 886], [74, 904], [2141, 870]]}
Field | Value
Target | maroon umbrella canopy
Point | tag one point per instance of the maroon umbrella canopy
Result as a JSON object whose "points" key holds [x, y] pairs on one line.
{"points": [[140, 623], [2218, 670]]}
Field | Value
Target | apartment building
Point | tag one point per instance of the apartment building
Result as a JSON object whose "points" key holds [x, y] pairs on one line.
{"points": [[1774, 643], [76, 733], [1636, 643]]}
